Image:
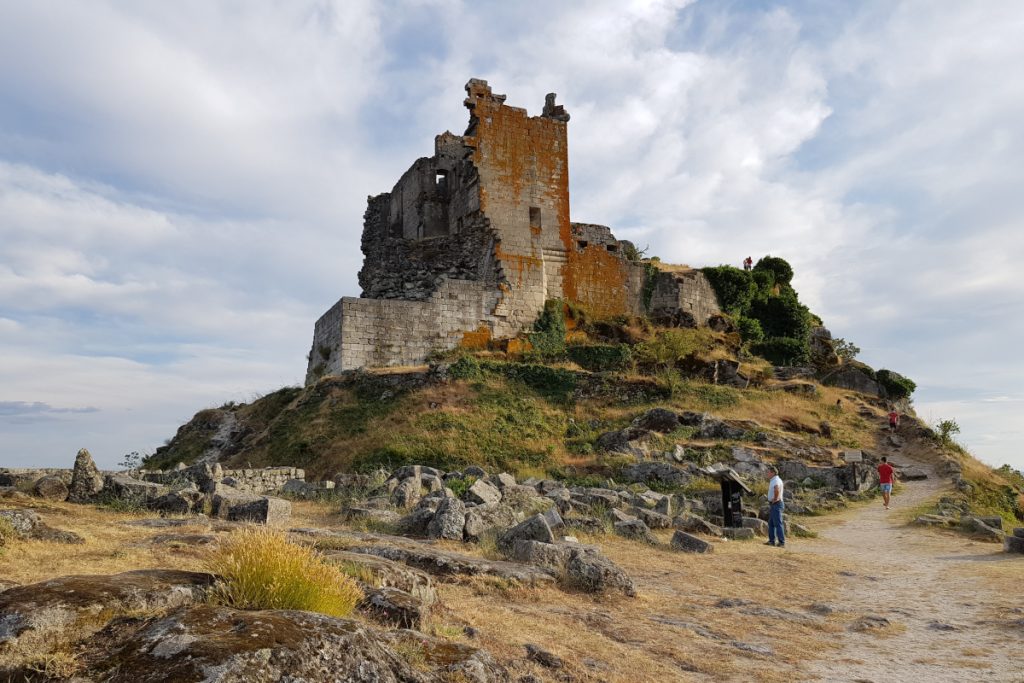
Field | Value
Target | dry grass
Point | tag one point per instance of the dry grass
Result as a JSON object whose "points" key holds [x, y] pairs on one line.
{"points": [[260, 568], [650, 637], [110, 546]]}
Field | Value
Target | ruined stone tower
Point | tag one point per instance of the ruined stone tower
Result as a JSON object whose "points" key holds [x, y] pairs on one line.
{"points": [[472, 241]]}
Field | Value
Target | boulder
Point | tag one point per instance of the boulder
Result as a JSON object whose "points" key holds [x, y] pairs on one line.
{"points": [[51, 487], [449, 520], [657, 420], [1014, 544], [486, 518], [912, 474], [590, 571], [407, 472], [934, 520], [382, 572], [689, 543], [713, 428], [535, 653], [980, 530], [696, 525], [483, 493], [394, 607], [181, 501], [505, 479], [407, 493], [417, 522], [664, 506], [474, 471], [242, 507], [631, 441], [759, 526], [206, 643], [24, 522], [587, 525], [534, 528], [299, 488], [86, 480], [130, 490], [636, 530], [654, 520]]}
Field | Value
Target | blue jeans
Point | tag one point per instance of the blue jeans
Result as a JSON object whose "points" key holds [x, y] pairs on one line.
{"points": [[776, 534]]}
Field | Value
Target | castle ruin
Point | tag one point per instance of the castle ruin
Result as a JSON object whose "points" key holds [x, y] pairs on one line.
{"points": [[471, 242]]}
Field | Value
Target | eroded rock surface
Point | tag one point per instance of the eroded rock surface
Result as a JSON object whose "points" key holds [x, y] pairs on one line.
{"points": [[222, 645]]}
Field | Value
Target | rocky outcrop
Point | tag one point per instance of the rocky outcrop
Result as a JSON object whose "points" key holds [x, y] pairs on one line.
{"points": [[86, 480], [449, 564], [28, 525], [222, 645], [52, 606], [850, 376]]}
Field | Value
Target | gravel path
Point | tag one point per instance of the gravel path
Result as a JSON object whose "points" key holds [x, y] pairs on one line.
{"points": [[949, 618]]}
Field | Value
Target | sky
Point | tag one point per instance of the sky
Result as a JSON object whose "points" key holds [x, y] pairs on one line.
{"points": [[182, 184]]}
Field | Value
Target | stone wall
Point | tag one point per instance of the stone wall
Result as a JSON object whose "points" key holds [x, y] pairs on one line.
{"points": [[683, 293], [388, 332], [262, 480]]}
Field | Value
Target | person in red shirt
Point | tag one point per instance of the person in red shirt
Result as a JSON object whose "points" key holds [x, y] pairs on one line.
{"points": [[885, 479], [894, 420]]}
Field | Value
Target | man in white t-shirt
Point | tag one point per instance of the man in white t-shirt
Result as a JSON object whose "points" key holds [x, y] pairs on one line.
{"points": [[776, 533]]}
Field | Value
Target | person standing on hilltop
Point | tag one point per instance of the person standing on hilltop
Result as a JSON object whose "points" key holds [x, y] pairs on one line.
{"points": [[775, 507], [748, 263], [894, 419], [885, 479]]}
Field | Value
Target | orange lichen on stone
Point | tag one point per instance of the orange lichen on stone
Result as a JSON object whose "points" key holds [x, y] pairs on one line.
{"points": [[477, 339], [598, 280]]}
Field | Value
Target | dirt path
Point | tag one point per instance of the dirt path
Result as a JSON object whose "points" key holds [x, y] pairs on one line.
{"points": [[954, 606]]}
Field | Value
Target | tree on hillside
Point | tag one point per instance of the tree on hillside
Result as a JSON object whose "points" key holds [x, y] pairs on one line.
{"points": [[779, 268]]}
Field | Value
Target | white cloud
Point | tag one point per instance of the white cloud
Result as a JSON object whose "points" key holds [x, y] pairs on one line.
{"points": [[181, 186]]}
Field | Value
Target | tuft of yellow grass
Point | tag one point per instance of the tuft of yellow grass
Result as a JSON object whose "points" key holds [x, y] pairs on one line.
{"points": [[260, 568]]}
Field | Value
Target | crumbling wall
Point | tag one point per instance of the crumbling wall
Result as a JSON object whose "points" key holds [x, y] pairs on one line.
{"points": [[600, 276], [683, 294]]}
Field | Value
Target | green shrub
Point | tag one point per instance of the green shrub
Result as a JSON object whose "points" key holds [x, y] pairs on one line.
{"points": [[548, 337], [259, 568], [782, 272], [669, 347], [945, 429], [782, 316], [734, 287], [466, 367], [601, 357], [750, 329], [844, 349], [896, 385], [783, 351]]}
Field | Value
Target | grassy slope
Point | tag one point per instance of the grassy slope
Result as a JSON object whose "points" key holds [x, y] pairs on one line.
{"points": [[527, 426]]}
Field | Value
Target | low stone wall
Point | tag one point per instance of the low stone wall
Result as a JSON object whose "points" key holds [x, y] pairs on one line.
{"points": [[265, 480], [250, 480]]}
